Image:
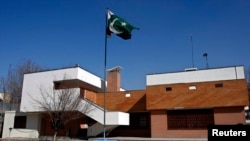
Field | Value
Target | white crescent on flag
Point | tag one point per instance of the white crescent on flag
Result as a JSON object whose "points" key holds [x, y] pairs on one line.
{"points": [[111, 27]]}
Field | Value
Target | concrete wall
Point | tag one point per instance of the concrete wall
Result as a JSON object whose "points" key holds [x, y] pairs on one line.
{"points": [[35, 82], [24, 133], [218, 74], [9, 120], [33, 121]]}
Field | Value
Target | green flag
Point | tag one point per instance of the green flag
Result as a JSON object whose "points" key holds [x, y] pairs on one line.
{"points": [[118, 26]]}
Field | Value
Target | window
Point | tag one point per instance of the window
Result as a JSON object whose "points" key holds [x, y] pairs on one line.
{"points": [[139, 120], [20, 122], [143, 121], [168, 88], [190, 119], [218, 85]]}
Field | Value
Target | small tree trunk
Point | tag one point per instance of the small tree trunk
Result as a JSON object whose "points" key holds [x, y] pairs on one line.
{"points": [[54, 138]]}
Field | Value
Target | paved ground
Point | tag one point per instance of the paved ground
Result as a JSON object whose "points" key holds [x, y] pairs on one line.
{"points": [[110, 139], [147, 139]]}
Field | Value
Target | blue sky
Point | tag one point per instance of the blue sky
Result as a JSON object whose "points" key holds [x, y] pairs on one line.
{"points": [[62, 33]]}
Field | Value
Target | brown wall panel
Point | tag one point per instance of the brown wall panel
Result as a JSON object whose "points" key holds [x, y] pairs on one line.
{"points": [[118, 101], [233, 93]]}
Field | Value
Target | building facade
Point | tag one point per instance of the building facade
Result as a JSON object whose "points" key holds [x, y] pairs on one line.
{"points": [[186, 102], [175, 104]]}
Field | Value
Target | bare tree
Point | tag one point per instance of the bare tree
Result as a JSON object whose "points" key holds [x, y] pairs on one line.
{"points": [[247, 72], [13, 82], [61, 106]]}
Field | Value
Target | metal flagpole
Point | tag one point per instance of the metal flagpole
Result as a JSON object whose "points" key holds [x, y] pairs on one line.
{"points": [[192, 50], [105, 66]]}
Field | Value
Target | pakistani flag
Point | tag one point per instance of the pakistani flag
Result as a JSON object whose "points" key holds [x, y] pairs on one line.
{"points": [[118, 26]]}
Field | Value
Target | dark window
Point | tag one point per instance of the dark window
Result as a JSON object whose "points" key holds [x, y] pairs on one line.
{"points": [[218, 85], [143, 121], [20, 122], [169, 89], [190, 119], [138, 121]]}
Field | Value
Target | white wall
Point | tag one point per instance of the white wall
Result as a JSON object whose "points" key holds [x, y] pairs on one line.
{"points": [[33, 121], [89, 78], [35, 82], [112, 117], [24, 133], [117, 118], [217, 74], [9, 120]]}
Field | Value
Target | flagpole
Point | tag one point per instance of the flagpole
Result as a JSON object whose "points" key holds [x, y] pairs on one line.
{"points": [[192, 49], [124, 34], [105, 66]]}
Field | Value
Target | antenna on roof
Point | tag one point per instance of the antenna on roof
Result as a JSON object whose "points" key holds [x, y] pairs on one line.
{"points": [[205, 55]]}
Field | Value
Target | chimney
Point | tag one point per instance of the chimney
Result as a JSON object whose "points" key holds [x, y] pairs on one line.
{"points": [[114, 79]]}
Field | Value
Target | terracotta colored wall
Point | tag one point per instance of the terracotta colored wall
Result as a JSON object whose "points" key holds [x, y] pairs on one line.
{"points": [[229, 115], [117, 101], [222, 116], [159, 128], [90, 95], [233, 93], [158, 123]]}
